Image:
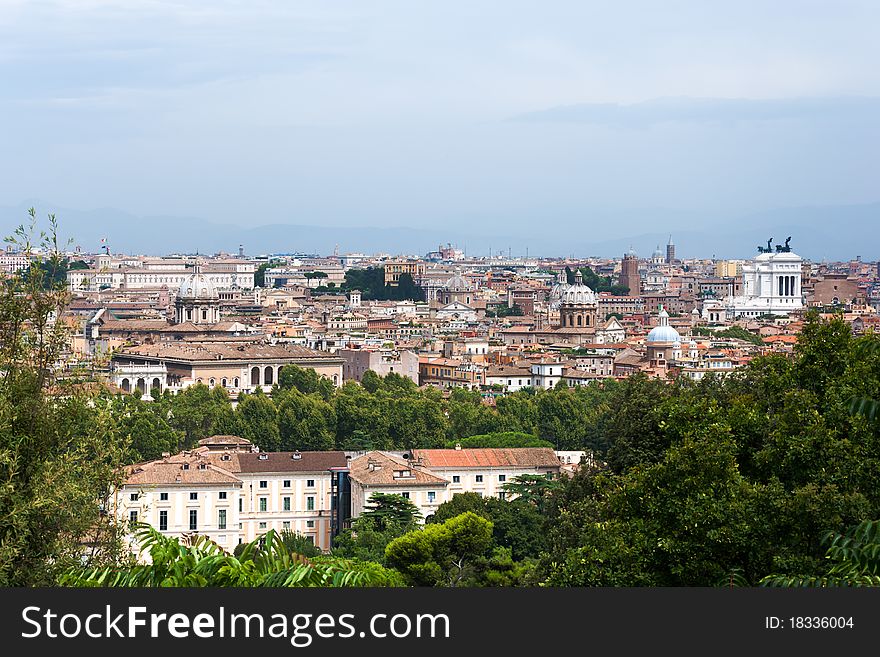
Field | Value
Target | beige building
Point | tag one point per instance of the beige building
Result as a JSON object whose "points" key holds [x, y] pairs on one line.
{"points": [[394, 269], [381, 472], [226, 491], [237, 366], [429, 477]]}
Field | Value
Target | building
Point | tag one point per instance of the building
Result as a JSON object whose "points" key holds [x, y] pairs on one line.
{"points": [[728, 268], [663, 343], [381, 361], [771, 285], [670, 252], [236, 366], [629, 274], [382, 472], [395, 268], [510, 377], [227, 490], [486, 470], [197, 299]]}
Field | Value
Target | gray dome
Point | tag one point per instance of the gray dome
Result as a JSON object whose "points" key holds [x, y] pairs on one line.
{"points": [[578, 294], [457, 283], [664, 332], [197, 286]]}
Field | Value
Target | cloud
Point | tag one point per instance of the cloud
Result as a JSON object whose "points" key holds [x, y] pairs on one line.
{"points": [[702, 110]]}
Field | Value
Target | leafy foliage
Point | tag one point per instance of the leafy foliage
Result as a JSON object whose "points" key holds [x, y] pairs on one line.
{"points": [[196, 561]]}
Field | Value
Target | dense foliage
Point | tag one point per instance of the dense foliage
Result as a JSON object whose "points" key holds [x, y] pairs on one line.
{"points": [[595, 282], [371, 284], [59, 444], [197, 561]]}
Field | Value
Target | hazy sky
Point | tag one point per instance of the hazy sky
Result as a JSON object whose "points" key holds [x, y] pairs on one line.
{"points": [[392, 113]]}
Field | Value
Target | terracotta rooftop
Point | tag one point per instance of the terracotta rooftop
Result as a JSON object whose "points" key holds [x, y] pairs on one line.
{"points": [[221, 351], [537, 457], [378, 469]]}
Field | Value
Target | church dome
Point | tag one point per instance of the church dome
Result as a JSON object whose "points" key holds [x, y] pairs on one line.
{"points": [[197, 286], [664, 332], [457, 283], [578, 294]]}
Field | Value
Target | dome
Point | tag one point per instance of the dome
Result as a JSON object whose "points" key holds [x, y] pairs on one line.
{"points": [[578, 294], [197, 286], [457, 283], [664, 332]]}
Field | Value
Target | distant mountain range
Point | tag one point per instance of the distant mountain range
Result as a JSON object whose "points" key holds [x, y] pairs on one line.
{"points": [[837, 232]]}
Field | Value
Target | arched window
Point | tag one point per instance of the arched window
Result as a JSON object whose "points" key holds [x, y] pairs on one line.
{"points": [[142, 385], [126, 385], [336, 378], [268, 376], [223, 382], [255, 376], [580, 320], [235, 382], [212, 381], [157, 384]]}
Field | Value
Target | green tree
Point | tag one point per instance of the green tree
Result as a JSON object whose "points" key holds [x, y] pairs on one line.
{"points": [[501, 439], [306, 380], [60, 451], [441, 554], [386, 509], [199, 562], [305, 422], [257, 419]]}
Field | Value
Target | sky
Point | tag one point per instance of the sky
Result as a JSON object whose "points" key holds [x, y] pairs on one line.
{"points": [[608, 119]]}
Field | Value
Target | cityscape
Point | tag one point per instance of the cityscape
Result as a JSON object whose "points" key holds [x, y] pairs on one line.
{"points": [[517, 321], [235, 333]]}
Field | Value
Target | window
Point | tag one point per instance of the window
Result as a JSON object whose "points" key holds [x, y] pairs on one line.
{"points": [[502, 477], [286, 483], [262, 504], [212, 381], [310, 524], [264, 484], [310, 503], [163, 497], [193, 496], [286, 503], [285, 525], [222, 495], [310, 483], [163, 521], [405, 495], [221, 519], [132, 516], [133, 497], [262, 525], [193, 520], [240, 504], [479, 479], [431, 496], [310, 539], [456, 479]]}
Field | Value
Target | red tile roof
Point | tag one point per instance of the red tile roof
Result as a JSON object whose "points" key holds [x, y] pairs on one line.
{"points": [[538, 457]]}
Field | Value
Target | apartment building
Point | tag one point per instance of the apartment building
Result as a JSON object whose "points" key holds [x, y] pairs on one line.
{"points": [[230, 492], [429, 477]]}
